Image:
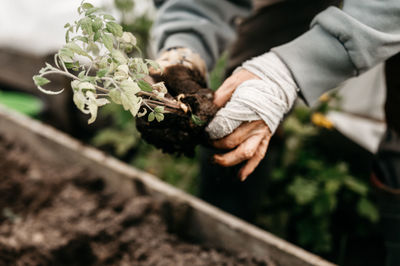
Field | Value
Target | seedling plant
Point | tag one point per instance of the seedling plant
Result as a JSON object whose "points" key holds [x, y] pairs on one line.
{"points": [[99, 59]]}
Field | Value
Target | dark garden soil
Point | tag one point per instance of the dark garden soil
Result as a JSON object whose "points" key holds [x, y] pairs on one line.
{"points": [[66, 217], [178, 132]]}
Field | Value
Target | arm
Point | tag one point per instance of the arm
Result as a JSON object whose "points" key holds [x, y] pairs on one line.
{"points": [[206, 27], [342, 44]]}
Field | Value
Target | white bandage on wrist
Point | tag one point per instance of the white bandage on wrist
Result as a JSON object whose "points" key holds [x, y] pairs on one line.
{"points": [[268, 99]]}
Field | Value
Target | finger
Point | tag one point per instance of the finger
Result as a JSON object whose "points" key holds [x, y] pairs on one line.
{"points": [[255, 160], [225, 91], [245, 151], [221, 126], [243, 132]]}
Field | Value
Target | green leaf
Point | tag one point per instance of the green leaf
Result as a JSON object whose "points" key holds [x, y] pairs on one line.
{"points": [[124, 5], [75, 85], [91, 11], [86, 6], [197, 120], [108, 41], [67, 25], [114, 28], [122, 73], [86, 86], [71, 46], [303, 190], [40, 81], [131, 103], [81, 38], [81, 74], [159, 109], [92, 106], [128, 38], [159, 117], [129, 86], [355, 185], [101, 72], [92, 47], [119, 57], [97, 24], [139, 65], [145, 86], [102, 102], [74, 65], [21, 102], [153, 64], [108, 17], [97, 36], [86, 25], [66, 58], [151, 117], [115, 96], [103, 63], [67, 36], [368, 210], [79, 100]]}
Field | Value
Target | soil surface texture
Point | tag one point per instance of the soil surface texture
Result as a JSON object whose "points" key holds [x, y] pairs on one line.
{"points": [[66, 217], [178, 132]]}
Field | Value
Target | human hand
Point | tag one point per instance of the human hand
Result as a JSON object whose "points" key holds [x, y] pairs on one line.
{"points": [[255, 97], [250, 142], [182, 71]]}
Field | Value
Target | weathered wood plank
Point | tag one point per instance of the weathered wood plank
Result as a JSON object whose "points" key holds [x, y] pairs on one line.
{"points": [[200, 220]]}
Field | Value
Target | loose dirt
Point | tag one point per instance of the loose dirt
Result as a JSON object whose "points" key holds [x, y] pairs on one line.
{"points": [[54, 216]]}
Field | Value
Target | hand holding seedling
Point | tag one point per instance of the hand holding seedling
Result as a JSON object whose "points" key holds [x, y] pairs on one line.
{"points": [[249, 141], [111, 73], [255, 99]]}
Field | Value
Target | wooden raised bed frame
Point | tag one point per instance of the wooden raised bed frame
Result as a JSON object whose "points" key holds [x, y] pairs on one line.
{"points": [[200, 220]]}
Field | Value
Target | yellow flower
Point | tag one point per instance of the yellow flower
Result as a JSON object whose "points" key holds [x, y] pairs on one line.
{"points": [[320, 120], [324, 97]]}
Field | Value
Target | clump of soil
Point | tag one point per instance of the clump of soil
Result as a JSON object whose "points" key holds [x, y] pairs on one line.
{"points": [[178, 132], [66, 217]]}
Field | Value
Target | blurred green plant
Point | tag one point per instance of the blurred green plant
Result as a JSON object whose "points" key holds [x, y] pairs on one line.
{"points": [[138, 24], [180, 171], [21, 102], [313, 190]]}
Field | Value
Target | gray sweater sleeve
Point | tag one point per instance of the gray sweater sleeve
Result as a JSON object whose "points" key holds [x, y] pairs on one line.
{"points": [[204, 26], [342, 44]]}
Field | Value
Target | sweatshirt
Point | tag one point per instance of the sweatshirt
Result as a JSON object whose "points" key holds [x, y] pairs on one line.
{"points": [[341, 42]]}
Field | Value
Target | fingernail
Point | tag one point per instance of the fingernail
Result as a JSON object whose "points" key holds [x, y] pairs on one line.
{"points": [[217, 158], [214, 159], [242, 177]]}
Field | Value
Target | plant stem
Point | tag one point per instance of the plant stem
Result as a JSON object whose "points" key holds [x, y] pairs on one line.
{"points": [[56, 71], [174, 106]]}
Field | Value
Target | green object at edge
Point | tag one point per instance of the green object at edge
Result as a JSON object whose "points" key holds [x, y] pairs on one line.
{"points": [[21, 102]]}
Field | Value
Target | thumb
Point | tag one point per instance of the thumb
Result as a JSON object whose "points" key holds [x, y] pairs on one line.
{"points": [[221, 126]]}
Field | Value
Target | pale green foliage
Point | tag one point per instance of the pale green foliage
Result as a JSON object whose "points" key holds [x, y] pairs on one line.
{"points": [[111, 74]]}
